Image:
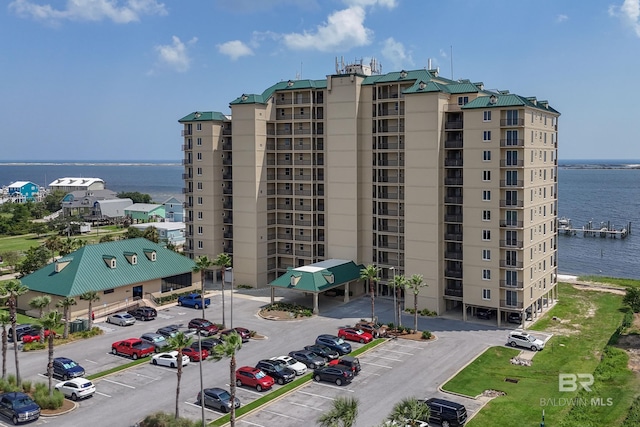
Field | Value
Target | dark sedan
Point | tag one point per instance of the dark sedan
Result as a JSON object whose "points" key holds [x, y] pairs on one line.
{"points": [[277, 369], [144, 313], [323, 351], [336, 374], [217, 398], [206, 343], [334, 343], [309, 358]]}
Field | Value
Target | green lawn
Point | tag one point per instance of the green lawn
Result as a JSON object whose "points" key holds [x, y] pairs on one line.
{"points": [[587, 322], [611, 280]]}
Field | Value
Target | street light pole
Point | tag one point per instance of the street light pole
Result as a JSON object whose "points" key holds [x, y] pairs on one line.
{"points": [[395, 316], [232, 280]]}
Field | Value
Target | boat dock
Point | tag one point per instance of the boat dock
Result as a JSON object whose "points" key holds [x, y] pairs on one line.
{"points": [[604, 230]]}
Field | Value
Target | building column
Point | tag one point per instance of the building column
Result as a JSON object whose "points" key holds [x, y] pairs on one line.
{"points": [[315, 303], [273, 295], [464, 312], [499, 319], [346, 292]]}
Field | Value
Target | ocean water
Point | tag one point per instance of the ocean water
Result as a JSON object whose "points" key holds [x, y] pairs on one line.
{"points": [[597, 191]]}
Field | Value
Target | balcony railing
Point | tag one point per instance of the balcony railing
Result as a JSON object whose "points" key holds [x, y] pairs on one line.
{"points": [[510, 304], [508, 203], [285, 221], [511, 163], [303, 238], [511, 224], [511, 244], [513, 184], [453, 292], [457, 274], [512, 122], [512, 143], [453, 218], [453, 162], [509, 284], [453, 255], [454, 143], [453, 237], [453, 124], [453, 200], [511, 264], [453, 181]]}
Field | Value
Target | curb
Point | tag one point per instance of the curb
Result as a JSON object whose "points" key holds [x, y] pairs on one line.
{"points": [[75, 406]]}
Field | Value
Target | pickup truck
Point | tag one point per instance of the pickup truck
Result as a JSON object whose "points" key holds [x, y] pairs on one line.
{"points": [[194, 301], [132, 347]]}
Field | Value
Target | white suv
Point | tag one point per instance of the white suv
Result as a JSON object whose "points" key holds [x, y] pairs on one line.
{"points": [[523, 339]]}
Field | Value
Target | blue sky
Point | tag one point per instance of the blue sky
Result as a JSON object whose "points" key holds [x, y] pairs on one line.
{"points": [[109, 79]]}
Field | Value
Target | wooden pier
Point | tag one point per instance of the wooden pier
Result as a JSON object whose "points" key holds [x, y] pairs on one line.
{"points": [[590, 230]]}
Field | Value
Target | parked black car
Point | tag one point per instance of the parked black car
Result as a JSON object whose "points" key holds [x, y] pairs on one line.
{"points": [[336, 374], [515, 318], [350, 362], [206, 343], [323, 351], [217, 398], [446, 412], [18, 407], [485, 313], [334, 343], [22, 330], [309, 358], [144, 313], [277, 369]]}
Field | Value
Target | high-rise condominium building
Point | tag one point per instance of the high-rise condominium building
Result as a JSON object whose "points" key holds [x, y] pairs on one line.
{"points": [[410, 171]]}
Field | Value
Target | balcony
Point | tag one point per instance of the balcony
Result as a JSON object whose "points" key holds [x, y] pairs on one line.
{"points": [[511, 143], [287, 101], [453, 218], [187, 176], [511, 163], [227, 190], [302, 132], [456, 274], [388, 196], [302, 147], [454, 237], [226, 131], [453, 181], [510, 304], [507, 203], [511, 224], [391, 179], [285, 237], [511, 264], [385, 113], [304, 116], [387, 245], [187, 132], [391, 229], [512, 122], [227, 146], [390, 146], [187, 161], [285, 207], [305, 254], [511, 284], [303, 208], [453, 292], [390, 129], [228, 220], [388, 212], [454, 143], [511, 183], [453, 124], [283, 177], [303, 192], [303, 223], [303, 100], [453, 200], [304, 178], [285, 191], [453, 162], [511, 244], [186, 147], [284, 117], [453, 255]]}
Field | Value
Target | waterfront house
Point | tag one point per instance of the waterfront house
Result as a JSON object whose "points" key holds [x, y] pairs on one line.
{"points": [[77, 184], [168, 232], [23, 191], [174, 209], [144, 212], [84, 203]]}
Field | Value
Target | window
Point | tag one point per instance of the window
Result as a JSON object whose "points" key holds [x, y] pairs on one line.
{"points": [[512, 137], [108, 291], [199, 171], [486, 294], [200, 244], [463, 100], [486, 135], [512, 238], [512, 118], [199, 185], [486, 274], [512, 178], [512, 218], [486, 175], [199, 156], [199, 200], [199, 141], [199, 126], [512, 158], [511, 258], [199, 215], [486, 155], [486, 234], [200, 228], [486, 255], [486, 215], [486, 116], [486, 195]]}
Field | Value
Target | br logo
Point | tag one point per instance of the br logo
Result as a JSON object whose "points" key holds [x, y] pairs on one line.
{"points": [[569, 382]]}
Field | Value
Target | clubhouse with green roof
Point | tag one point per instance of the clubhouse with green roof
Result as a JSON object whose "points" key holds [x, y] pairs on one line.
{"points": [[330, 275], [121, 272]]}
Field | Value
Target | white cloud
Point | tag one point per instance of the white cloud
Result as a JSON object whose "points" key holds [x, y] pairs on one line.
{"points": [[561, 18], [389, 4], [629, 13], [343, 30], [396, 54], [234, 49], [175, 55], [121, 12]]}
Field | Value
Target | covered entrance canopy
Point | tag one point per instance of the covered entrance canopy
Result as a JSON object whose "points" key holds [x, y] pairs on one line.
{"points": [[319, 277]]}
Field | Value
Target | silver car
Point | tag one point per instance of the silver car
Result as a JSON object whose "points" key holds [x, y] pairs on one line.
{"points": [[523, 339], [121, 319], [156, 340]]}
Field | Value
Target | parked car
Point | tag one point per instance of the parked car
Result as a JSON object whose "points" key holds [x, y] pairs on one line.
{"points": [[375, 329], [309, 358], [323, 351], [217, 398], [20, 331], [446, 412], [523, 339], [350, 362], [169, 359], [298, 367], [336, 374], [357, 335], [18, 407], [207, 343], [277, 369], [132, 347], [66, 368], [170, 331], [34, 335], [194, 301], [203, 326], [334, 343], [244, 333], [194, 355], [144, 313], [157, 340], [514, 318], [121, 319], [485, 313], [253, 377], [76, 388]]}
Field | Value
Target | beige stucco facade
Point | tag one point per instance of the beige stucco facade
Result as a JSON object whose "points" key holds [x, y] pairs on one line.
{"points": [[455, 183]]}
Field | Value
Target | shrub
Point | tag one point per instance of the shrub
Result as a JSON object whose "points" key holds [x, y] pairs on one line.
{"points": [[26, 386], [627, 321], [34, 345], [11, 379], [45, 401], [7, 386], [426, 335], [391, 325], [162, 419], [296, 309]]}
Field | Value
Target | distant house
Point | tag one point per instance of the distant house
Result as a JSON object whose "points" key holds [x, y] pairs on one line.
{"points": [[23, 191], [121, 272], [174, 209], [144, 212], [111, 209], [77, 184], [168, 232], [83, 203]]}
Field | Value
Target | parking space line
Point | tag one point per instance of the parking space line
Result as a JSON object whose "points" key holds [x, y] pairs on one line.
{"points": [[307, 406], [407, 345], [102, 394], [389, 358], [401, 352], [117, 383], [198, 406], [376, 364], [250, 423], [335, 387], [91, 361], [316, 395], [283, 415], [148, 377], [250, 391]]}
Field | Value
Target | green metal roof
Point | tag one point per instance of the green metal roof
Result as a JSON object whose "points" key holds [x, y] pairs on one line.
{"points": [[288, 85], [503, 99], [88, 271], [203, 116], [320, 276]]}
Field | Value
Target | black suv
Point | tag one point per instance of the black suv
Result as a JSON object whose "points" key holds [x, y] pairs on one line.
{"points": [[22, 330], [350, 362], [144, 313], [334, 343], [446, 412], [485, 313], [515, 318], [277, 369]]}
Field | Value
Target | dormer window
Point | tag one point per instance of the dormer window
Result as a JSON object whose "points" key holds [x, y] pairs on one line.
{"points": [[150, 254], [132, 257], [110, 260]]}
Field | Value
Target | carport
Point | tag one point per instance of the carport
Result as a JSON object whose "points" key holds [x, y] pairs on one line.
{"points": [[319, 277]]}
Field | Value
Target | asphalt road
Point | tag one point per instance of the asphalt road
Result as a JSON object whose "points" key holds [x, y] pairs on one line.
{"points": [[396, 370]]}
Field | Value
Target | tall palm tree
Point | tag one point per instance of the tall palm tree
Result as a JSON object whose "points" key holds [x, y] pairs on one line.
{"points": [[91, 297], [178, 342], [66, 303], [343, 413], [370, 274], [4, 321], [53, 243], [223, 261], [398, 282], [51, 321], [12, 290], [40, 303], [409, 411], [414, 284], [202, 264], [227, 350]]}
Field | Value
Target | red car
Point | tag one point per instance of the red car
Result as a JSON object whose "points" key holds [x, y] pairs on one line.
{"points": [[253, 377], [203, 326], [31, 337], [244, 333], [194, 354], [357, 335]]}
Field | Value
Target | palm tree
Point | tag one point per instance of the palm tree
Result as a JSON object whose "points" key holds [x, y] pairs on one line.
{"points": [[51, 321], [151, 233], [223, 261], [343, 413], [12, 290], [398, 282], [414, 283], [409, 411], [53, 243], [202, 264], [178, 342], [40, 303], [370, 273], [227, 350], [4, 321], [91, 296], [66, 303]]}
